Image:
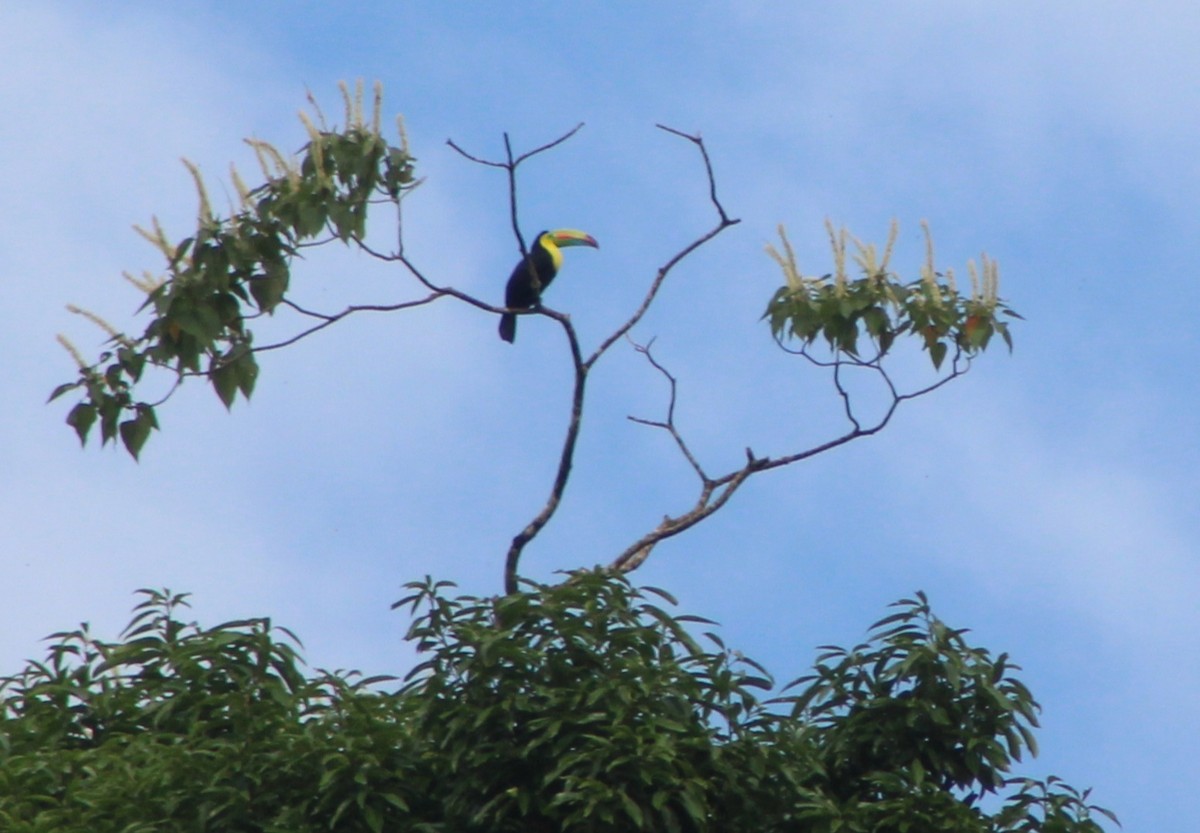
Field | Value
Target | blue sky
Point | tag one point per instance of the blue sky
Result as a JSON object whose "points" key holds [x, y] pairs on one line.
{"points": [[1047, 500]]}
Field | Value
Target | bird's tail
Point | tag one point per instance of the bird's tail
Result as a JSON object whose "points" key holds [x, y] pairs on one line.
{"points": [[508, 327]]}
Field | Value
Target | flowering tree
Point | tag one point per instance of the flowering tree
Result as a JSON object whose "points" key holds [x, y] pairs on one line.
{"points": [[583, 706], [233, 270]]}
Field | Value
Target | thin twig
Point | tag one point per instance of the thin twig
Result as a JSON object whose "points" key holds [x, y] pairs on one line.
{"points": [[712, 182], [333, 318], [477, 160], [549, 145], [170, 391], [378, 255], [510, 164], [841, 389], [541, 149], [724, 222], [567, 453], [716, 492], [446, 290], [669, 424], [511, 167]]}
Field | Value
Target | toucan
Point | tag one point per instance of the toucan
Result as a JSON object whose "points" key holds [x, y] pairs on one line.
{"points": [[533, 274]]}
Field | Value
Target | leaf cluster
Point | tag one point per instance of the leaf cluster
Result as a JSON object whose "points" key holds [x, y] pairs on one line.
{"points": [[579, 707], [176, 727], [879, 307], [920, 698], [586, 706], [233, 269]]}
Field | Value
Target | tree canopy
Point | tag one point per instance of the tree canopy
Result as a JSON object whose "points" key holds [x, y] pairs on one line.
{"points": [[585, 706]]}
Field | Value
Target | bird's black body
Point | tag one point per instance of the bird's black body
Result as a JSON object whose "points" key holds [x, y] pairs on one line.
{"points": [[528, 280]]}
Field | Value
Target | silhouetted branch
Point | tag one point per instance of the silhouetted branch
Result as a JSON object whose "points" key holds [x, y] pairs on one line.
{"points": [[565, 459], [669, 424], [328, 319], [716, 492], [476, 159], [549, 145], [847, 404], [509, 165], [583, 367], [712, 182], [723, 223], [518, 160]]}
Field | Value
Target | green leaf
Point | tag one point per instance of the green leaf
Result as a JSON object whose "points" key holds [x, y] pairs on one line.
{"points": [[136, 431], [311, 218], [373, 817], [632, 810], [110, 410], [663, 594], [81, 418], [247, 374], [225, 381], [268, 289], [63, 388], [937, 353], [132, 362], [1002, 329]]}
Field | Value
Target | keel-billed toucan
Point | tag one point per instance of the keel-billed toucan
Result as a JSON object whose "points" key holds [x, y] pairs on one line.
{"points": [[533, 274]]}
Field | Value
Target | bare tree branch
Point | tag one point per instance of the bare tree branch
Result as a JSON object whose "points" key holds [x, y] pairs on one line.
{"points": [[510, 164], [549, 145], [847, 404], [712, 182], [476, 159], [328, 319], [714, 493], [567, 452], [724, 222], [582, 367], [540, 149], [565, 459], [669, 424], [511, 168]]}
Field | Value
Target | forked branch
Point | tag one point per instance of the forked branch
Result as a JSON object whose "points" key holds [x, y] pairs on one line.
{"points": [[844, 313], [509, 165], [581, 366], [668, 424], [716, 492], [723, 222]]}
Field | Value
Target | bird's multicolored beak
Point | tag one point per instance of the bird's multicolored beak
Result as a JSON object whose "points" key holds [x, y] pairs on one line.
{"points": [[573, 237]]}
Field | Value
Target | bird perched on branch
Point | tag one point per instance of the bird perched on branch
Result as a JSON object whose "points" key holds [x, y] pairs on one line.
{"points": [[533, 274]]}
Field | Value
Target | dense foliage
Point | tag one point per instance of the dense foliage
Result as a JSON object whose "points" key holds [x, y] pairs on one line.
{"points": [[578, 707]]}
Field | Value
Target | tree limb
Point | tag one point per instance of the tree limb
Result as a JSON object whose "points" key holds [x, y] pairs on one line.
{"points": [[565, 460], [581, 366], [716, 492], [509, 165], [669, 424], [723, 223], [328, 319]]}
